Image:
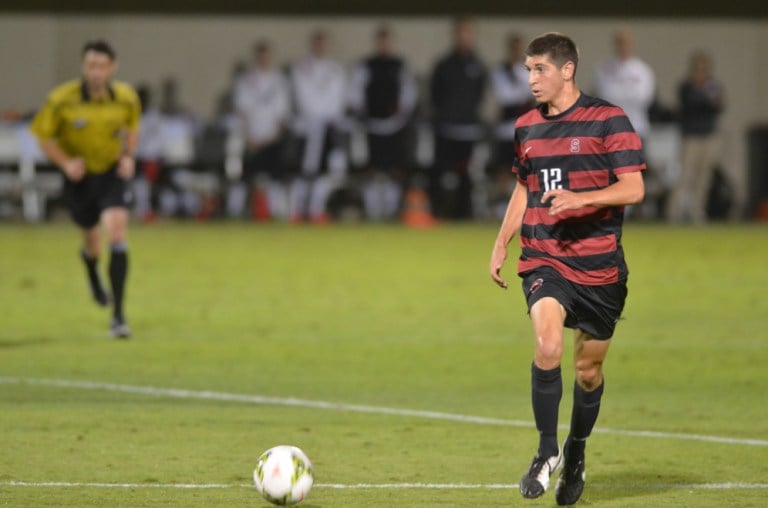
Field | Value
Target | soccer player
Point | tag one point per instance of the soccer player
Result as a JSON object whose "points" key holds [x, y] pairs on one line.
{"points": [[89, 127], [579, 162]]}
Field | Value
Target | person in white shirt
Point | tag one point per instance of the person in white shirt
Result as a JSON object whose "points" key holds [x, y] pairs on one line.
{"points": [[262, 103], [383, 95], [512, 95], [628, 82], [319, 91]]}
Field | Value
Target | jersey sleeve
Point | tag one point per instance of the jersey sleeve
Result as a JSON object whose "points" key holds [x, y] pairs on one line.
{"points": [[46, 123], [134, 111], [623, 146]]}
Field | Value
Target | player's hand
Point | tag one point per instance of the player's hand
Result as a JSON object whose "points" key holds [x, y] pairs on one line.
{"points": [[498, 256], [126, 167], [74, 169], [562, 200]]}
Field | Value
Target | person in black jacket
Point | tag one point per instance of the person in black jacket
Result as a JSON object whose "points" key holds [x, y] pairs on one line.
{"points": [[383, 96], [701, 102], [457, 88]]}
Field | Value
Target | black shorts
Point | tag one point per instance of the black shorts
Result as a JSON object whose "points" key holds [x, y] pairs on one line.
{"points": [[592, 309], [387, 152], [267, 160], [95, 193]]}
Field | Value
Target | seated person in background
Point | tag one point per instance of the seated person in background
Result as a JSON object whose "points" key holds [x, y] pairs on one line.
{"points": [[318, 84], [383, 95], [262, 103]]}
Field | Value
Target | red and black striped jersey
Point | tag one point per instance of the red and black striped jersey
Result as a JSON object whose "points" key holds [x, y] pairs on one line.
{"points": [[581, 149]]}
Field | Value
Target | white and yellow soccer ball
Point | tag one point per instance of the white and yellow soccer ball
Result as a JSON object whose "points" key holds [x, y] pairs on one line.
{"points": [[284, 475]]}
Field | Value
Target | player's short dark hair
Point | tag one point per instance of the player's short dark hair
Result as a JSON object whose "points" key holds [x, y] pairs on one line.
{"points": [[99, 46], [558, 47]]}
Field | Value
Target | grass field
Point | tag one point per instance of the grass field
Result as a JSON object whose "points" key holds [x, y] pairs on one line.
{"points": [[385, 353]]}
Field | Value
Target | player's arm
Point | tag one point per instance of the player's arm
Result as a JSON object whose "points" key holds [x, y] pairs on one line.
{"points": [[72, 167], [513, 218], [629, 189]]}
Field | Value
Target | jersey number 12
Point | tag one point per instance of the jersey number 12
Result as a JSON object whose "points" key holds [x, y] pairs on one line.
{"points": [[552, 178]]}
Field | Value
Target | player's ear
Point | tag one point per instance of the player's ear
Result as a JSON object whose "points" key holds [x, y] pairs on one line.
{"points": [[568, 70]]}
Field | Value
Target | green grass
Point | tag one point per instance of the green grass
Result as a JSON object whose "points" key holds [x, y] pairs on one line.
{"points": [[375, 316]]}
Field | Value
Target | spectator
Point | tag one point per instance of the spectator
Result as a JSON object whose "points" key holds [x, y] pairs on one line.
{"points": [[177, 193], [262, 102], [457, 87], [148, 154], [628, 82], [701, 102], [383, 94], [509, 82], [318, 84]]}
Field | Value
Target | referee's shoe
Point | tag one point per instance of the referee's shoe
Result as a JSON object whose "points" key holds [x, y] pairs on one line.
{"points": [[119, 329], [570, 483]]}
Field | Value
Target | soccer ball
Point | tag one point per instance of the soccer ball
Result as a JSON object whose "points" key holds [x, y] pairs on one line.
{"points": [[283, 475]]}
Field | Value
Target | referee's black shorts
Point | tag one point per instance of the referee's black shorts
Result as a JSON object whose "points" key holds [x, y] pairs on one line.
{"points": [[592, 309], [89, 197]]}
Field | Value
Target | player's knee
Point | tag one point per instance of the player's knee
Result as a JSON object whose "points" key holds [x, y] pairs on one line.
{"points": [[589, 374], [548, 352]]}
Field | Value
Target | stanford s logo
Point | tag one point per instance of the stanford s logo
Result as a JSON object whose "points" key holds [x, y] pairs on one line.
{"points": [[535, 286], [575, 145]]}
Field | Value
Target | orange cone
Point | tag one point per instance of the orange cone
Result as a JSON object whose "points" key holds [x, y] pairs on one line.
{"points": [[416, 212], [260, 206]]}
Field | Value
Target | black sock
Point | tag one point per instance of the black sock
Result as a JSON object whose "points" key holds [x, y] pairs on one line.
{"points": [[118, 269], [586, 406], [92, 268], [546, 392]]}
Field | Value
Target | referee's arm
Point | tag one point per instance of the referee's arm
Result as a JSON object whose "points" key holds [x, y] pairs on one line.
{"points": [[72, 167], [126, 166]]}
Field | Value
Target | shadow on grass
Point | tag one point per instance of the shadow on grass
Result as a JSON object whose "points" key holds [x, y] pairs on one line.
{"points": [[18, 343], [636, 482]]}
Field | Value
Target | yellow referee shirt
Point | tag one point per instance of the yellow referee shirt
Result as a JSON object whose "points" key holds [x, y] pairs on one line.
{"points": [[91, 129]]}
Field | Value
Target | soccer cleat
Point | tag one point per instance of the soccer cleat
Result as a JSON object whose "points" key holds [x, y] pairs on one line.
{"points": [[570, 483], [119, 329], [100, 296], [536, 480]]}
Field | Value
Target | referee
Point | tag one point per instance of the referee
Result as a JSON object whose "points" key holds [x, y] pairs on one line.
{"points": [[89, 128]]}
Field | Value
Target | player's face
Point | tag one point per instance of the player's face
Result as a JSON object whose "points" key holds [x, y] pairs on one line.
{"points": [[98, 69], [545, 78]]}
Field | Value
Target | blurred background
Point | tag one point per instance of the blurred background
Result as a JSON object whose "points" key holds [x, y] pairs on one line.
{"points": [[189, 58]]}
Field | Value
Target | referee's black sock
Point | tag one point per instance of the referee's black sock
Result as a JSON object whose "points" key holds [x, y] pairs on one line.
{"points": [[586, 406], [546, 392], [92, 268], [118, 270]]}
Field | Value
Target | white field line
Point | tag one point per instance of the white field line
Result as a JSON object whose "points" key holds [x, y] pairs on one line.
{"points": [[382, 486], [334, 406]]}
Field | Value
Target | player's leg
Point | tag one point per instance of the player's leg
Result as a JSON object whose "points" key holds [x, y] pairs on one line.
{"points": [[115, 222], [90, 256], [548, 318], [589, 355]]}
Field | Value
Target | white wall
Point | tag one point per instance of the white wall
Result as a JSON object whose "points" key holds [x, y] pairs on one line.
{"points": [[38, 51]]}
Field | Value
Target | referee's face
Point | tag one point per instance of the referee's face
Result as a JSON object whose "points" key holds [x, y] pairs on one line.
{"points": [[98, 69]]}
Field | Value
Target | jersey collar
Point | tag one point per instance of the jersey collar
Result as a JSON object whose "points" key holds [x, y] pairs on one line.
{"points": [[85, 95]]}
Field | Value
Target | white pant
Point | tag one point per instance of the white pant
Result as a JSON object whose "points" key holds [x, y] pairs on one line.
{"points": [[381, 197], [309, 196]]}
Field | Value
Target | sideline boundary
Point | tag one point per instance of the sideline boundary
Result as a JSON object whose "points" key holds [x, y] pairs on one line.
{"points": [[382, 486], [354, 408]]}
